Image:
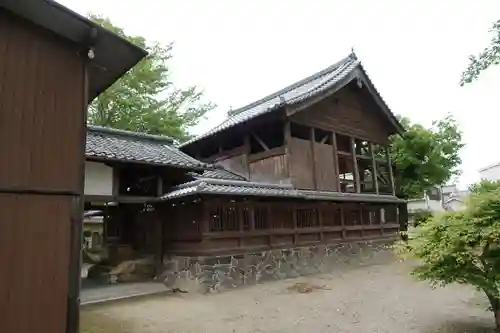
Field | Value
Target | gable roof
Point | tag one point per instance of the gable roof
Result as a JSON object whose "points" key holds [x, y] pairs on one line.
{"points": [[112, 144], [114, 55], [330, 79]]}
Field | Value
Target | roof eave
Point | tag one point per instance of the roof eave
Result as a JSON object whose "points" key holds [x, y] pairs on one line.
{"points": [[96, 158], [114, 55]]}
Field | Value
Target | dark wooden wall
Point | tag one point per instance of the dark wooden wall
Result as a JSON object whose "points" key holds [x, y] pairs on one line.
{"points": [[222, 225], [350, 112], [41, 175]]}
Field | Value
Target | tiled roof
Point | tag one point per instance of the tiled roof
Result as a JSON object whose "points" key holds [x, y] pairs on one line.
{"points": [[217, 172], [245, 188], [128, 146], [227, 187], [332, 77]]}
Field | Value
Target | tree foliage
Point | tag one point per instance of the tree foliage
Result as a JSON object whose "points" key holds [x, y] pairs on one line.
{"points": [[461, 247], [489, 56], [425, 157], [145, 99]]}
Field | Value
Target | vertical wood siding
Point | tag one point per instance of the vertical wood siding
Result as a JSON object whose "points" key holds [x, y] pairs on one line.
{"points": [[270, 170], [40, 98], [348, 111], [34, 258], [42, 150], [324, 167], [301, 164]]}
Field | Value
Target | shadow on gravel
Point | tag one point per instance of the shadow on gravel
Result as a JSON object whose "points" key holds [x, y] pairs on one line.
{"points": [[92, 321], [462, 327]]}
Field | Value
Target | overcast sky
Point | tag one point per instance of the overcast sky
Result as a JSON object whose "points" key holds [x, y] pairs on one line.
{"points": [[414, 52]]}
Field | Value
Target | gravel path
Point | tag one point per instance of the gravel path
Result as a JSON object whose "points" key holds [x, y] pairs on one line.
{"points": [[367, 298]]}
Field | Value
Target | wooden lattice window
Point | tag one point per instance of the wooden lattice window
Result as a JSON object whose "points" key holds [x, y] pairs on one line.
{"points": [[390, 214], [281, 216], [306, 217], [261, 215], [370, 214], [224, 218], [352, 215], [245, 215], [331, 216]]}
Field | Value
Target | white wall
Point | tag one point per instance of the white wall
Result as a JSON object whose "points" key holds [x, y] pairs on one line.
{"points": [[490, 173], [98, 179], [424, 204]]}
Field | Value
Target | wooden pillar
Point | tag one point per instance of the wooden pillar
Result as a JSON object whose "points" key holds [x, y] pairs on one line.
{"points": [[159, 185], [391, 175], [319, 211], [205, 221], [374, 167], [355, 166], [246, 144], [313, 139], [342, 220], [287, 141], [294, 224], [251, 208], [336, 160]]}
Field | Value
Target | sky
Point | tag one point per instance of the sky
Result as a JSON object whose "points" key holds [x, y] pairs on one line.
{"points": [[414, 52]]}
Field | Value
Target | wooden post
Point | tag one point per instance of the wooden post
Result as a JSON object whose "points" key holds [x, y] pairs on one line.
{"points": [[391, 176], [159, 185], [319, 212], [294, 221], [355, 166], [116, 182], [313, 140], [374, 167], [287, 142], [246, 144], [251, 208], [342, 221], [336, 160], [205, 221]]}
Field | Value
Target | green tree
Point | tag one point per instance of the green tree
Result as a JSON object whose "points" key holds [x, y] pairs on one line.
{"points": [[145, 99], [461, 247], [489, 56], [425, 157]]}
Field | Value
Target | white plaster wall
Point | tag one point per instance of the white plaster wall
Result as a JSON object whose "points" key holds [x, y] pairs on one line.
{"points": [[425, 204], [98, 179], [490, 173]]}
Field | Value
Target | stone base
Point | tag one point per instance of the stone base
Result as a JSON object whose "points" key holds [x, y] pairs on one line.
{"points": [[218, 273]]}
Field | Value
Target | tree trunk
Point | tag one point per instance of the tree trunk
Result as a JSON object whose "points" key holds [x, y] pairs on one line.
{"points": [[495, 307]]}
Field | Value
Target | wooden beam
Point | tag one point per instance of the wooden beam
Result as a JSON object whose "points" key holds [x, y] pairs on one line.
{"points": [[336, 160], [374, 167], [159, 185], [355, 164], [391, 176], [259, 140], [324, 139]]}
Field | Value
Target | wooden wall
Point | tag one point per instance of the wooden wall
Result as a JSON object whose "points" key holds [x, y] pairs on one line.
{"points": [[42, 116], [349, 111], [232, 225], [273, 170]]}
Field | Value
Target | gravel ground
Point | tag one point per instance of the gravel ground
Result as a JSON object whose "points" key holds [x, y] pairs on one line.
{"points": [[366, 298]]}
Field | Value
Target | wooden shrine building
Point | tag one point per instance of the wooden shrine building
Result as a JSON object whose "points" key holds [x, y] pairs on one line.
{"points": [[284, 183]]}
